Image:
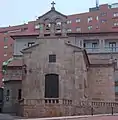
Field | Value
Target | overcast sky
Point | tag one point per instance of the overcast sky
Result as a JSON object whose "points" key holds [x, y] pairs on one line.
{"points": [[13, 12]]}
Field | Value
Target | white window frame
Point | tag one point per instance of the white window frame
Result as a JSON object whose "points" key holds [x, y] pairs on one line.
{"points": [[90, 27], [115, 14], [69, 30], [69, 21], [5, 55], [5, 47], [78, 20], [90, 19], [78, 29]]}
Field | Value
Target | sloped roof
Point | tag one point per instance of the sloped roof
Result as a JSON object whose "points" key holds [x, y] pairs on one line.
{"points": [[51, 11], [16, 63]]}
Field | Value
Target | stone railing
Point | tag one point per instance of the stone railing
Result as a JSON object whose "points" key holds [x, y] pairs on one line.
{"points": [[47, 101], [101, 103]]}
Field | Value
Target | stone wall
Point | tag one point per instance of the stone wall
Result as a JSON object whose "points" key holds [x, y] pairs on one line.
{"points": [[11, 101], [101, 83]]}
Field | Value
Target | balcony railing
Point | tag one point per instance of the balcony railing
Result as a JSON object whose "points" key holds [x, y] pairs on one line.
{"points": [[92, 50], [105, 49], [111, 49]]}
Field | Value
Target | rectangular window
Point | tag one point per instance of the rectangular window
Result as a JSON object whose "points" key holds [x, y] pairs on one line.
{"points": [[112, 46], [30, 44], [116, 88], [37, 26], [97, 18], [5, 55], [69, 22], [103, 21], [90, 27], [115, 24], [94, 45], [77, 20], [90, 19], [5, 39], [19, 94], [78, 29], [69, 30], [84, 45], [8, 93], [52, 58], [5, 47], [103, 14], [115, 14]]}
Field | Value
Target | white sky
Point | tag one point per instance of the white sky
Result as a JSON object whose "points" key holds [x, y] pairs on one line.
{"points": [[15, 12]]}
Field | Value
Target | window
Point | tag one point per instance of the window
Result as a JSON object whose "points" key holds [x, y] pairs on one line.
{"points": [[19, 94], [5, 46], [116, 24], [8, 93], [5, 55], [94, 45], [37, 26], [77, 20], [51, 86], [69, 22], [84, 45], [78, 29], [90, 19], [90, 27], [69, 30], [58, 23], [103, 21], [5, 39], [115, 14], [14, 31], [116, 88], [103, 14], [52, 58], [30, 44], [97, 18], [112, 46]]}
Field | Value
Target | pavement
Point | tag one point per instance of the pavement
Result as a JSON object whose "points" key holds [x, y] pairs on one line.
{"points": [[86, 117]]}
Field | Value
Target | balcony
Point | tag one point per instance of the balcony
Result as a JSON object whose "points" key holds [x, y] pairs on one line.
{"points": [[111, 49], [92, 50]]}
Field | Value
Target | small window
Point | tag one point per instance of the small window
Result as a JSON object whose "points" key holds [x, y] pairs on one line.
{"points": [[84, 45], [5, 55], [90, 19], [77, 20], [103, 21], [5, 46], [8, 93], [5, 39], [37, 26], [115, 14], [69, 30], [30, 44], [97, 18], [103, 14], [116, 24], [69, 22], [52, 58], [94, 45], [78, 29], [58, 23], [19, 94], [90, 27]]}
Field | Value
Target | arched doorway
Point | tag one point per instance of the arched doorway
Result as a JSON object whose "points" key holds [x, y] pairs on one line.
{"points": [[51, 86]]}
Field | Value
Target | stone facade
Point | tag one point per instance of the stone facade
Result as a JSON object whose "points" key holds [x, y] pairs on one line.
{"points": [[80, 78]]}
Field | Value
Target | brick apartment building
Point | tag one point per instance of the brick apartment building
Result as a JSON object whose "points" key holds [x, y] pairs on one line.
{"points": [[103, 18]]}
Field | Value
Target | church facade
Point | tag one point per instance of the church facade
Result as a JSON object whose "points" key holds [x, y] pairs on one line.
{"points": [[56, 77]]}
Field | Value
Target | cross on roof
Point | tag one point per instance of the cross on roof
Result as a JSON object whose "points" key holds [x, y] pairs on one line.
{"points": [[53, 3]]}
